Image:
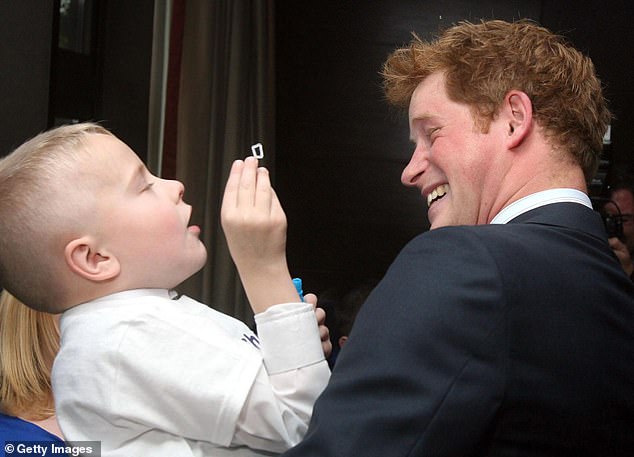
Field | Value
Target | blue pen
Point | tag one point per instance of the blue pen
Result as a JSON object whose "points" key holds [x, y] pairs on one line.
{"points": [[298, 285]]}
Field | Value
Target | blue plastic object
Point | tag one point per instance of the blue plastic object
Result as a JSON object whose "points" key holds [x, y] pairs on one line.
{"points": [[298, 285]]}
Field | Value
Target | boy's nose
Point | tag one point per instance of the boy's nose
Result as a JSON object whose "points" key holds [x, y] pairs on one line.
{"points": [[175, 188], [181, 189]]}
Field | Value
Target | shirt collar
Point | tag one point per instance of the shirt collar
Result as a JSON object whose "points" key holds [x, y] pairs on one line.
{"points": [[538, 199]]}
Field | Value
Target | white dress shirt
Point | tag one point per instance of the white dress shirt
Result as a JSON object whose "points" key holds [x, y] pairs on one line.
{"points": [[538, 199]]}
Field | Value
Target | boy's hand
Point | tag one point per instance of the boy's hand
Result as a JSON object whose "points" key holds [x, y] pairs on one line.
{"points": [[324, 333], [255, 228]]}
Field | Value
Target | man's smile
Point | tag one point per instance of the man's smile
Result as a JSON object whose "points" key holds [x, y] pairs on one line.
{"points": [[437, 193]]}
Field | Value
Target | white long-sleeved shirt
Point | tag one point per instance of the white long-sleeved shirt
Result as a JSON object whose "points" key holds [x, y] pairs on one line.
{"points": [[148, 375]]}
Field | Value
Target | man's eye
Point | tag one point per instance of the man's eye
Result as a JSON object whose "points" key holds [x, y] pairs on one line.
{"points": [[148, 186], [431, 133]]}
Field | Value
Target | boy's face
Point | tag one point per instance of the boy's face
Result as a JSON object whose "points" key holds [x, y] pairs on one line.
{"points": [[142, 219]]}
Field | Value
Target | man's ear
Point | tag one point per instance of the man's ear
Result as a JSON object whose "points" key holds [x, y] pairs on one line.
{"points": [[518, 115], [88, 261]]}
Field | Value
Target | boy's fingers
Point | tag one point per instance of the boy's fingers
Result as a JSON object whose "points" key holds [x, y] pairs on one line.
{"points": [[320, 315], [246, 189], [276, 208], [311, 298], [230, 197], [263, 190]]}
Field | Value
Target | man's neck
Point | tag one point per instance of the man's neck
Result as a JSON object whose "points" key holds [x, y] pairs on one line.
{"points": [[520, 182]]}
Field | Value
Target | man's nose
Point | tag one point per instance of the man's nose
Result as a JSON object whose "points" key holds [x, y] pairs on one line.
{"points": [[415, 168]]}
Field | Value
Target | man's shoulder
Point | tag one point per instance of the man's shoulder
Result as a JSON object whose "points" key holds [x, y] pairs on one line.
{"points": [[466, 235], [548, 221], [495, 244]]}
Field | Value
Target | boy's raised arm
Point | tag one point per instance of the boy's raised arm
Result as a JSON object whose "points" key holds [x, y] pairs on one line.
{"points": [[255, 228]]}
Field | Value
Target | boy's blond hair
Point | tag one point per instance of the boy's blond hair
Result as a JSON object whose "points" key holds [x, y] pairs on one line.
{"points": [[41, 186], [29, 341]]}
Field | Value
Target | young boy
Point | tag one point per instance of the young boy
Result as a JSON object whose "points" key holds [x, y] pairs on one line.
{"points": [[87, 231]]}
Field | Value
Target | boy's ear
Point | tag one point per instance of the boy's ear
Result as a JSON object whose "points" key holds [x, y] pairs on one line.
{"points": [[88, 261], [518, 112]]}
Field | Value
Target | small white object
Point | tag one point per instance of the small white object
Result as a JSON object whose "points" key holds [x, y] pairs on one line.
{"points": [[257, 150]]}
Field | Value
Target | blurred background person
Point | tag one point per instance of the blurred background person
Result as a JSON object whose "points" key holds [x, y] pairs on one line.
{"points": [[346, 312], [621, 208]]}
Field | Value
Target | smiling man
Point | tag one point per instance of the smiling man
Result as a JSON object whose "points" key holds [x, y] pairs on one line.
{"points": [[507, 328]]}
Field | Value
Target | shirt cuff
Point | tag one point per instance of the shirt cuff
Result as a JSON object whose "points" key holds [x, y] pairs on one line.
{"points": [[289, 337]]}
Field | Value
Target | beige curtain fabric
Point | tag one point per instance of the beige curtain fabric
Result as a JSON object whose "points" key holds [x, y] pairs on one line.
{"points": [[226, 104]]}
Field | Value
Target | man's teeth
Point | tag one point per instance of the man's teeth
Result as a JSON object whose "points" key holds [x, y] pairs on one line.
{"points": [[437, 193]]}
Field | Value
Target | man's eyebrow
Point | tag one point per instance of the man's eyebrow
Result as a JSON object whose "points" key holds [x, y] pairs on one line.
{"points": [[423, 117]]}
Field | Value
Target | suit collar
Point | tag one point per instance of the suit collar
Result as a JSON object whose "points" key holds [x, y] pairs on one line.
{"points": [[538, 199], [565, 214]]}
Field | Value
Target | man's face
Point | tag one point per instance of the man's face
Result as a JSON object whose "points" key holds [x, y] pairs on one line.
{"points": [[625, 201], [456, 167], [142, 219]]}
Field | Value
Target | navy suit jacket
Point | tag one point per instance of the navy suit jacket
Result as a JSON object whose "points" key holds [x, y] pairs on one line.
{"points": [[492, 340]]}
